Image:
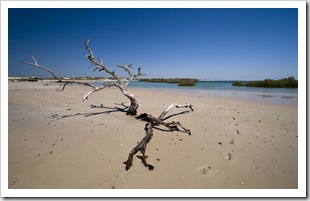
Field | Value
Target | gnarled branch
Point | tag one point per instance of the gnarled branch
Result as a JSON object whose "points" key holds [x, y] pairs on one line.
{"points": [[142, 148], [99, 65], [132, 109], [122, 85], [153, 121]]}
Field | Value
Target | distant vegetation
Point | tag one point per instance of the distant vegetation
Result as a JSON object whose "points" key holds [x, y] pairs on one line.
{"points": [[238, 83], [289, 82], [179, 81]]}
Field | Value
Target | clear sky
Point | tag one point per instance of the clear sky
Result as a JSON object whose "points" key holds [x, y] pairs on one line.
{"points": [[212, 44]]}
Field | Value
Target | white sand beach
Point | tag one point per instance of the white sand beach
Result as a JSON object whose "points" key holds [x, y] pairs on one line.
{"points": [[236, 143]]}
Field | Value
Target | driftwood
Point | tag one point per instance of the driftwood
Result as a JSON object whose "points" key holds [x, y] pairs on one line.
{"points": [[153, 121], [120, 83]]}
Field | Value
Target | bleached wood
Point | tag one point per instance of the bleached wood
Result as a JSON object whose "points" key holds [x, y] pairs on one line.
{"points": [[63, 82], [99, 65], [121, 84], [132, 109], [187, 105]]}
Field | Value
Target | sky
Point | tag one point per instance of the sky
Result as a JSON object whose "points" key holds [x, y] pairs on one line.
{"points": [[203, 43]]}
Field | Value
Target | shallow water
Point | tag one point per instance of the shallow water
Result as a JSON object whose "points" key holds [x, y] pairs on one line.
{"points": [[226, 88]]}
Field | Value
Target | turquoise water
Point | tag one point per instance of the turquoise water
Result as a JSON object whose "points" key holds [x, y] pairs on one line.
{"points": [[225, 88]]}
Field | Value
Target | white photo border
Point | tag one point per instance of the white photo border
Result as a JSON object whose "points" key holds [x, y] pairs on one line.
{"points": [[300, 192]]}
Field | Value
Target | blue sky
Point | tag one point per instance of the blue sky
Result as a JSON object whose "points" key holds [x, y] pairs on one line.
{"points": [[212, 44]]}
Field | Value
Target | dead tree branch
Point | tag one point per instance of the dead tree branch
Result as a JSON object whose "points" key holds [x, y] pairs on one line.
{"points": [[98, 88], [131, 76], [120, 83], [177, 106], [153, 121], [142, 148], [63, 82]]}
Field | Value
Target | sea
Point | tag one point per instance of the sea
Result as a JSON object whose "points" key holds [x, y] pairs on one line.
{"points": [[225, 88]]}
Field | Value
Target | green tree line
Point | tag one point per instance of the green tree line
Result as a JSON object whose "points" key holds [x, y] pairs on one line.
{"points": [[289, 82], [179, 81]]}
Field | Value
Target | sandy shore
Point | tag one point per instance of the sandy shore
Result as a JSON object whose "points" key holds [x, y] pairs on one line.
{"points": [[235, 143]]}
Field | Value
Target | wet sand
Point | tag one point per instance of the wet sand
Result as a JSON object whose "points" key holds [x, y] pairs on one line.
{"points": [[236, 143]]}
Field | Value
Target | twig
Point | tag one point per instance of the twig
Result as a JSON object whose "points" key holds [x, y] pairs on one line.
{"points": [[65, 83]]}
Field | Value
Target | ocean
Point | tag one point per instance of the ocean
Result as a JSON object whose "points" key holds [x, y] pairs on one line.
{"points": [[226, 88]]}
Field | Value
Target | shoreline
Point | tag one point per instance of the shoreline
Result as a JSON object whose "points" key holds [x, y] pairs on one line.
{"points": [[254, 96], [236, 143]]}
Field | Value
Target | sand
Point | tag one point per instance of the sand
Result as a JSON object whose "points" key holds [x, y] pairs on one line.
{"points": [[236, 143]]}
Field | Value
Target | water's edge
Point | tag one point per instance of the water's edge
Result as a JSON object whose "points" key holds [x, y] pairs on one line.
{"points": [[224, 88]]}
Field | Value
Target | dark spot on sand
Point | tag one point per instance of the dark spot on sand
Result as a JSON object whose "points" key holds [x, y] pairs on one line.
{"points": [[219, 143], [15, 181], [204, 170], [227, 156]]}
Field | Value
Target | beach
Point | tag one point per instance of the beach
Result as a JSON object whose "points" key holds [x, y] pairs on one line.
{"points": [[56, 141]]}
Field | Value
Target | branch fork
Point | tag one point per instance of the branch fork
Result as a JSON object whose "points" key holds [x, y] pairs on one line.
{"points": [[99, 65], [153, 121]]}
